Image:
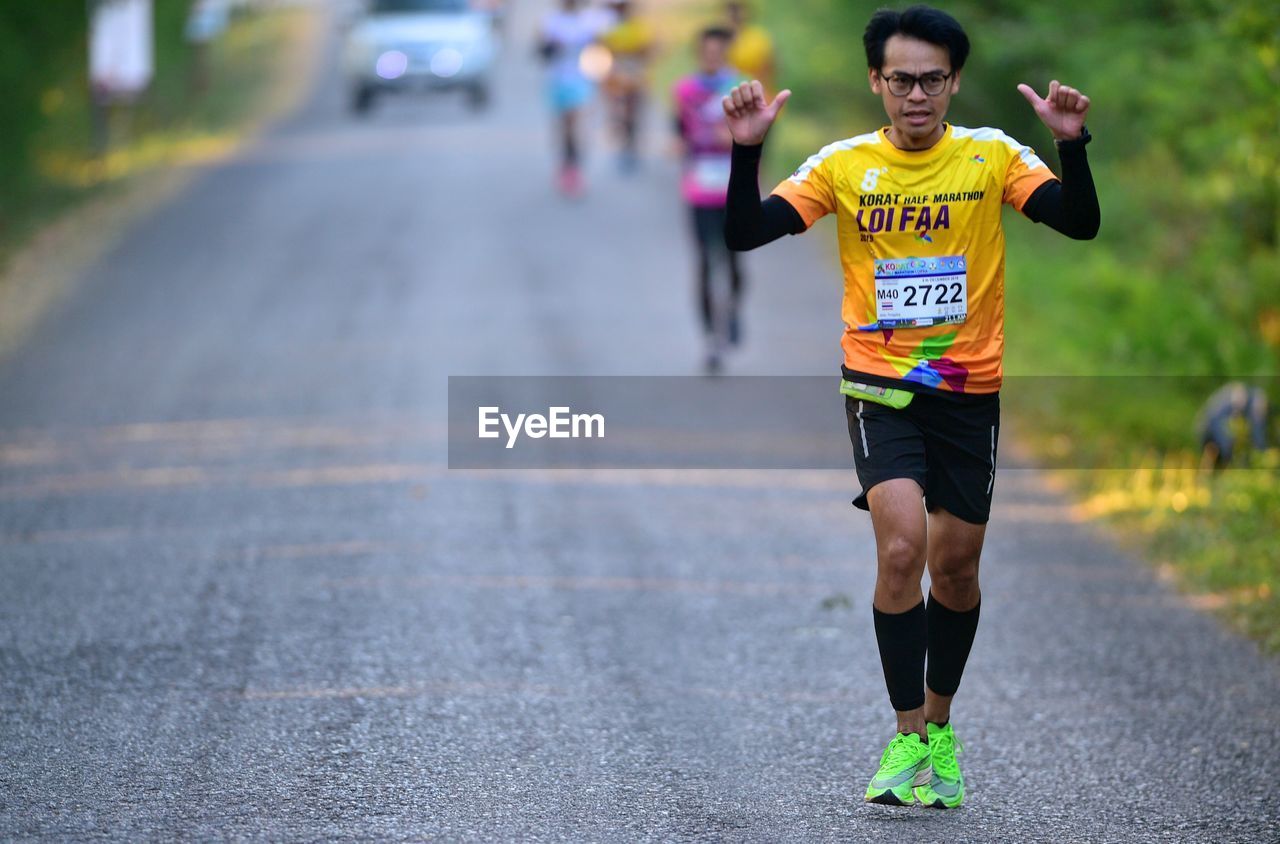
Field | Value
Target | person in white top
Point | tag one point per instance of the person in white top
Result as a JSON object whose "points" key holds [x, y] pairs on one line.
{"points": [[564, 35]]}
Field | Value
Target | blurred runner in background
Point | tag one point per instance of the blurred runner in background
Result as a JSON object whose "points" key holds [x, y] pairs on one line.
{"points": [[631, 43], [707, 147], [752, 51], [564, 35]]}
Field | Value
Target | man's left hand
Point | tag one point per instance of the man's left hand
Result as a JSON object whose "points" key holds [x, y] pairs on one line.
{"points": [[1063, 111]]}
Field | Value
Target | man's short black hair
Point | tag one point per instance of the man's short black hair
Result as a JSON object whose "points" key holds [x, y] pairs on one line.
{"points": [[921, 22], [716, 33]]}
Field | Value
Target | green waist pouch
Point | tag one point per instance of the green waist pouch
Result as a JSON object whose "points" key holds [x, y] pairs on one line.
{"points": [[888, 396]]}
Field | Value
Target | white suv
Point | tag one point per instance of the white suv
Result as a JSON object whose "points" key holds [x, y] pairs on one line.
{"points": [[421, 45]]}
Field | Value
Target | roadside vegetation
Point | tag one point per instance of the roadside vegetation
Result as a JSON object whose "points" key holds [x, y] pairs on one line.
{"points": [[50, 159], [1179, 294]]}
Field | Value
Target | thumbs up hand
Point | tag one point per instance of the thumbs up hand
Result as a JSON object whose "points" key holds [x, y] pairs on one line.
{"points": [[749, 115], [1063, 110]]}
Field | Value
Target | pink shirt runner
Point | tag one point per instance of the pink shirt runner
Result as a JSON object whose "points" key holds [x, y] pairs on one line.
{"points": [[705, 180]]}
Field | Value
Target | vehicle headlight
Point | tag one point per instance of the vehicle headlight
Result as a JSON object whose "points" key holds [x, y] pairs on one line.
{"points": [[391, 65], [446, 62]]}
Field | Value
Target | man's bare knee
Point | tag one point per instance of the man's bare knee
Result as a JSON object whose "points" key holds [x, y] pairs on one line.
{"points": [[956, 586], [897, 514], [901, 566], [955, 547], [901, 553]]}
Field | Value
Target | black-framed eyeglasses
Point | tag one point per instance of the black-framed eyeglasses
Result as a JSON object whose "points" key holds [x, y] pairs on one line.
{"points": [[902, 84]]}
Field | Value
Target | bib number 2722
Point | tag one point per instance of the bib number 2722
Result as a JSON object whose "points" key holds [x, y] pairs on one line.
{"points": [[919, 292]]}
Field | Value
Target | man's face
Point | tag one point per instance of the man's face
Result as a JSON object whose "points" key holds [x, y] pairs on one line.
{"points": [[711, 55], [916, 116]]}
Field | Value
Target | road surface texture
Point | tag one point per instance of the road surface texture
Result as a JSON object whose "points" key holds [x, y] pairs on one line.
{"points": [[245, 598]]}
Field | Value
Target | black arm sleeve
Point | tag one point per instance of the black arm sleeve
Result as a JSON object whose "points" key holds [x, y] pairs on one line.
{"points": [[1069, 206], [748, 221]]}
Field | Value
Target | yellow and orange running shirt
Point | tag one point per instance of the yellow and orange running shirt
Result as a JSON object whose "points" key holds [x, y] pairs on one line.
{"points": [[922, 250]]}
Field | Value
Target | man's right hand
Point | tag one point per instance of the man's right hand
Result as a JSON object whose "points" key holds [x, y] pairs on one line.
{"points": [[748, 115]]}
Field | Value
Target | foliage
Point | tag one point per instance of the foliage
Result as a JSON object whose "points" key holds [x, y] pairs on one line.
{"points": [[41, 46], [1184, 279], [47, 149], [39, 43]]}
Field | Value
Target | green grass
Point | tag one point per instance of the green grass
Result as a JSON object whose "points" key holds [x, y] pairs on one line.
{"points": [[1076, 310]]}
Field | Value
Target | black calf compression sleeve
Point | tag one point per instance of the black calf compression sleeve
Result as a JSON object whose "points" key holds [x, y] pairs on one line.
{"points": [[902, 639], [950, 637]]}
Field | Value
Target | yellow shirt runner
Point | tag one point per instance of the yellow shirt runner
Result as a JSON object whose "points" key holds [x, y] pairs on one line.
{"points": [[922, 250], [752, 54]]}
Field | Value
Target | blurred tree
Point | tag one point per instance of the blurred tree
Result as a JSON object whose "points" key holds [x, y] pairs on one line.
{"points": [[43, 74], [40, 45]]}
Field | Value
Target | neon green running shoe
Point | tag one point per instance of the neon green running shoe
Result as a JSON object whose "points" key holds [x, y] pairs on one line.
{"points": [[945, 789], [904, 765]]}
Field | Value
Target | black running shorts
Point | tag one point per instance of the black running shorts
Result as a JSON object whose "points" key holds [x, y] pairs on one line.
{"points": [[946, 445]]}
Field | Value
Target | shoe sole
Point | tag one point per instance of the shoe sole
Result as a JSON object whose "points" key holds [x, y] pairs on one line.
{"points": [[940, 803], [888, 798]]}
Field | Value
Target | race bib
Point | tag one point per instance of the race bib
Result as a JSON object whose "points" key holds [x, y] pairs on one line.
{"points": [[711, 172], [919, 292]]}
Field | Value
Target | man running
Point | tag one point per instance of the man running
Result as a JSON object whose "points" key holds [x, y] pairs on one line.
{"points": [[563, 36], [631, 42], [918, 209], [704, 183]]}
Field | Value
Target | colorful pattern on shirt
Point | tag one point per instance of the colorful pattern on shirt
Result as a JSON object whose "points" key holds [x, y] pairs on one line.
{"points": [[938, 203]]}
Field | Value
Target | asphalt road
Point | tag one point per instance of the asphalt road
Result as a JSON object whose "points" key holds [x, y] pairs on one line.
{"points": [[244, 597]]}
